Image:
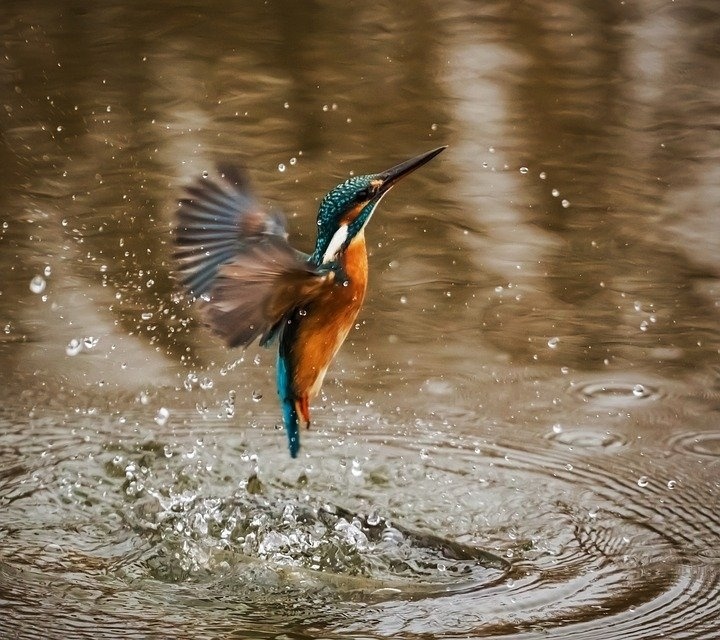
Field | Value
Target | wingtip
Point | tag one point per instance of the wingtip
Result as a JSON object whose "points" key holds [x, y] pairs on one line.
{"points": [[234, 173]]}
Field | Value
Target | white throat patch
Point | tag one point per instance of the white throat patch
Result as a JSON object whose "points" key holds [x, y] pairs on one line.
{"points": [[336, 243]]}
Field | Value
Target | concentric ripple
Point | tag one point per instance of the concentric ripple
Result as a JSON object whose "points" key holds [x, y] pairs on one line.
{"points": [[586, 438], [617, 393], [704, 443], [515, 532], [637, 546]]}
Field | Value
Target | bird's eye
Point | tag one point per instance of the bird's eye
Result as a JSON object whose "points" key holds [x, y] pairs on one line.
{"points": [[362, 195]]}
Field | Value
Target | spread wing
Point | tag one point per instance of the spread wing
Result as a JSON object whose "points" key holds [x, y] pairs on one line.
{"points": [[235, 257], [213, 222]]}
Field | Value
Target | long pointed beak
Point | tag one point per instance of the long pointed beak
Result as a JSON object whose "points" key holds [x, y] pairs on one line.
{"points": [[391, 176]]}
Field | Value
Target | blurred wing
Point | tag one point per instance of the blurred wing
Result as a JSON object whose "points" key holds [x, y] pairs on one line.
{"points": [[235, 257], [213, 223], [259, 287]]}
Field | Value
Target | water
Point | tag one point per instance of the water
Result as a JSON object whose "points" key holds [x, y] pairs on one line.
{"points": [[520, 437]]}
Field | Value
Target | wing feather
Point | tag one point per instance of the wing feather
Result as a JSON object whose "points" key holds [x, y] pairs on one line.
{"points": [[214, 223], [236, 258], [258, 288]]}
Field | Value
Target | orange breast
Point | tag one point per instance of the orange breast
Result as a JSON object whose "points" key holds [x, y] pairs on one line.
{"points": [[328, 321]]}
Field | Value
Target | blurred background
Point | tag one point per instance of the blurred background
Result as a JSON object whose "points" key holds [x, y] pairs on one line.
{"points": [[535, 372]]}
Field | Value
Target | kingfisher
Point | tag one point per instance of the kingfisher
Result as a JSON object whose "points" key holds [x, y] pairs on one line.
{"points": [[235, 259]]}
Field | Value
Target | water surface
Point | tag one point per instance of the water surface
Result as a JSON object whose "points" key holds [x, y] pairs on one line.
{"points": [[519, 440]]}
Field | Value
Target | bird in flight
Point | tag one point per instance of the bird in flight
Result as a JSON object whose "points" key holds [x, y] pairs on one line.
{"points": [[236, 260]]}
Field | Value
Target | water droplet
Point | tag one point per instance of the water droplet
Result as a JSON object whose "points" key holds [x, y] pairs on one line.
{"points": [[642, 482], [356, 470], [524, 170], [281, 167], [47, 270], [373, 519], [150, 283], [146, 316], [569, 467], [565, 203], [89, 342], [491, 149], [37, 284], [593, 512], [205, 174], [293, 161], [543, 175], [256, 396], [256, 359], [555, 193], [553, 343], [403, 299], [557, 428], [302, 312], [286, 105], [325, 107], [161, 417], [229, 404], [206, 383], [73, 347], [671, 484], [433, 126], [639, 391]]}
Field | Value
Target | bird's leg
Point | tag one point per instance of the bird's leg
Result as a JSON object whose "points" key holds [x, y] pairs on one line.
{"points": [[302, 406]]}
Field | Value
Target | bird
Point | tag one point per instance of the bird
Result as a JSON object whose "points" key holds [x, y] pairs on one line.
{"points": [[234, 258]]}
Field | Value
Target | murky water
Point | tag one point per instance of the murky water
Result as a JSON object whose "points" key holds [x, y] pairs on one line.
{"points": [[521, 437]]}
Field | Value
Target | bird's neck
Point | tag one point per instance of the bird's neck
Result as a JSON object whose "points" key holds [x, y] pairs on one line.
{"points": [[354, 261]]}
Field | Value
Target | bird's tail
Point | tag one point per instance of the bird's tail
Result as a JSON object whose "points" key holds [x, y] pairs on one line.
{"points": [[290, 413], [292, 425]]}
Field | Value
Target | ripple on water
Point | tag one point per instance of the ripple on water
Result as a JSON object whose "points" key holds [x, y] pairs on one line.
{"points": [[703, 443], [593, 541], [617, 393], [599, 542], [587, 438]]}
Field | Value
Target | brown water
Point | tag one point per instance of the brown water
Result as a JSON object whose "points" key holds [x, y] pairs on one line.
{"points": [[520, 439]]}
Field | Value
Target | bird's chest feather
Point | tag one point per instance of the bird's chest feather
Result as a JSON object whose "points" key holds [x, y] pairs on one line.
{"points": [[325, 324]]}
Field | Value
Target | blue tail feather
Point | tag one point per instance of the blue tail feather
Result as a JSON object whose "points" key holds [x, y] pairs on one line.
{"points": [[290, 416]]}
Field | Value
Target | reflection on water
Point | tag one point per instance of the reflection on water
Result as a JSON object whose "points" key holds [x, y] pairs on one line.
{"points": [[520, 438]]}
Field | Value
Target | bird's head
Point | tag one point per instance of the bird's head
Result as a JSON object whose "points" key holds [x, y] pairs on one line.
{"points": [[345, 210]]}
